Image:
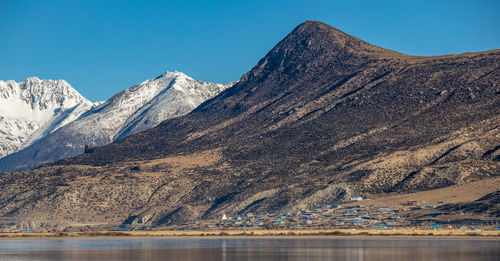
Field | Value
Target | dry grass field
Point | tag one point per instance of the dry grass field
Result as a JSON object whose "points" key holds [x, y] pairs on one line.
{"points": [[451, 194]]}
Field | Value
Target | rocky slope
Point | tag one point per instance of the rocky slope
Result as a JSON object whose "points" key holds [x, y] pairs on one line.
{"points": [[322, 116], [136, 109], [486, 205], [34, 108]]}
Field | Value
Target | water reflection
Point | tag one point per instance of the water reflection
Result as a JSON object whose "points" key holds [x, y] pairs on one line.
{"points": [[261, 249]]}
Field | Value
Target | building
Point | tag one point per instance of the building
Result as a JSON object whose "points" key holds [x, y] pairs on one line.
{"points": [[356, 198]]}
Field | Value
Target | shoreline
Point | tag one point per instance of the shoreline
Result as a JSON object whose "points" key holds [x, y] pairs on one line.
{"points": [[412, 233]]}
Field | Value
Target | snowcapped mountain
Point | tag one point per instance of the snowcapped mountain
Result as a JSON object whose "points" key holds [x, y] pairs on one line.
{"points": [[136, 109], [33, 108], [182, 95]]}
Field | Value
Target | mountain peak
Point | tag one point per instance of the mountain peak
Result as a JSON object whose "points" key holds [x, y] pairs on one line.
{"points": [[34, 107], [320, 36], [32, 79], [35, 79], [168, 75], [312, 43], [174, 74], [314, 26], [39, 92]]}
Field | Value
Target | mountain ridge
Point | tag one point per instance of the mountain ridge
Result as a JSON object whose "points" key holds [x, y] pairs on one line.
{"points": [[33, 108], [308, 125], [169, 95], [222, 100]]}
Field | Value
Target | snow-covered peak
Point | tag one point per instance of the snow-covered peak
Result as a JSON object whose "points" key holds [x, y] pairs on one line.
{"points": [[174, 74], [138, 108], [169, 95], [177, 94], [30, 108], [39, 95], [167, 76]]}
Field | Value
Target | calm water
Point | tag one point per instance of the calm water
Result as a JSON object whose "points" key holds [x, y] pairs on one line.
{"points": [[261, 249]]}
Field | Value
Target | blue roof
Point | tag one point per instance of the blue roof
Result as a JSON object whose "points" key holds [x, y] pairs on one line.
{"points": [[123, 229], [381, 226]]}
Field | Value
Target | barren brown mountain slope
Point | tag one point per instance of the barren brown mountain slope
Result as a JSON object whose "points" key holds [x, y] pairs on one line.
{"points": [[322, 116]]}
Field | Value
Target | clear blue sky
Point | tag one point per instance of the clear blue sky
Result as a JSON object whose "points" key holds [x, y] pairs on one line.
{"points": [[102, 47]]}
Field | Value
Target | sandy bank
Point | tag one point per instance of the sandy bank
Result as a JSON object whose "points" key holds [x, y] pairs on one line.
{"points": [[262, 233]]}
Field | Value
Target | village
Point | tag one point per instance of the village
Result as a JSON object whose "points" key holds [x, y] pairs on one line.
{"points": [[352, 215]]}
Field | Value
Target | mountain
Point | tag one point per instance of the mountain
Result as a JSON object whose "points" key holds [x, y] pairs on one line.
{"points": [[136, 109], [33, 108], [321, 117]]}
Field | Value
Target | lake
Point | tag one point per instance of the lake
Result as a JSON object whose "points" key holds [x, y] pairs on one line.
{"points": [[261, 249]]}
